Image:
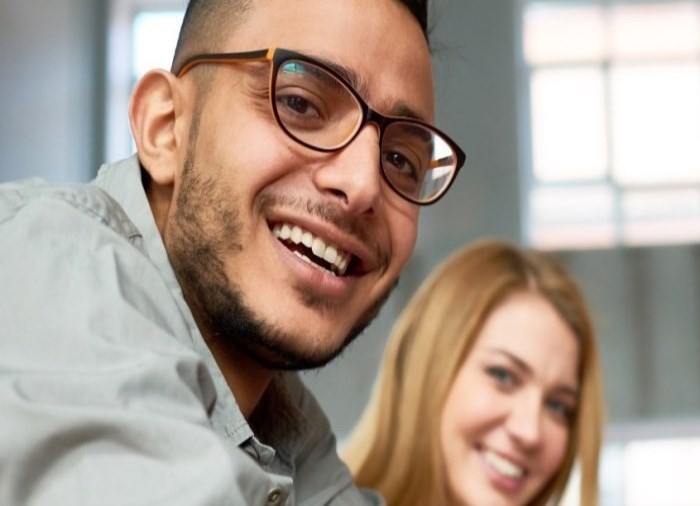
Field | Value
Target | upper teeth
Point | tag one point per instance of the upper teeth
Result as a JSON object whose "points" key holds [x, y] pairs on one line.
{"points": [[503, 466], [328, 252]]}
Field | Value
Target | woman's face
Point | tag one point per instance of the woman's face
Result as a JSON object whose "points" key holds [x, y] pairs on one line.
{"points": [[506, 420]]}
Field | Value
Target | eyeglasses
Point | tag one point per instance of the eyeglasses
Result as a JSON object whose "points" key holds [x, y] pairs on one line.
{"points": [[319, 109]]}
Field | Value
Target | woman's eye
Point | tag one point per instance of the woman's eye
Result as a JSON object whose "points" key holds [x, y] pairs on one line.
{"points": [[561, 409], [502, 376]]}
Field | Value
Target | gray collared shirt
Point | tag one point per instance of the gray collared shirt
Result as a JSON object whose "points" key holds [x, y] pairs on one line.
{"points": [[108, 393]]}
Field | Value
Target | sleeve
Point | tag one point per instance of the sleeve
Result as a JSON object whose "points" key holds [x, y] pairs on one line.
{"points": [[322, 477], [99, 403]]}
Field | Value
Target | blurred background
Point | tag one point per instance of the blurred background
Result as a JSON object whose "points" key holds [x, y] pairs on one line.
{"points": [[581, 123]]}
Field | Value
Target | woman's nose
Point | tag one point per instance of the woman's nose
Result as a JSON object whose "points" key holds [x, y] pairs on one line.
{"points": [[524, 423]]}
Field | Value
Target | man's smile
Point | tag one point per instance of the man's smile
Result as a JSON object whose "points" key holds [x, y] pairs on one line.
{"points": [[313, 249]]}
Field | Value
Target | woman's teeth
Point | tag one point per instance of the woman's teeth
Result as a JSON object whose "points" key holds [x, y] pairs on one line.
{"points": [[337, 260], [503, 466]]}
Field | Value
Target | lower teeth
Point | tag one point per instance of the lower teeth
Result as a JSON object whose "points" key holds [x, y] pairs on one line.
{"points": [[312, 263]]}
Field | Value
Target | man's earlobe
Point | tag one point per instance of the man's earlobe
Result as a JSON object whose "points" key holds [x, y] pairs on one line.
{"points": [[153, 115]]}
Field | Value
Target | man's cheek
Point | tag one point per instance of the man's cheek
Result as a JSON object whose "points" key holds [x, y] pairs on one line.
{"points": [[405, 244]]}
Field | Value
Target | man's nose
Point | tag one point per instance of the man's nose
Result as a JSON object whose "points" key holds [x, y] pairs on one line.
{"points": [[352, 175], [524, 423]]}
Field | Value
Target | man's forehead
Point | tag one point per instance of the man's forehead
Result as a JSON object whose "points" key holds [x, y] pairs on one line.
{"points": [[376, 45]]}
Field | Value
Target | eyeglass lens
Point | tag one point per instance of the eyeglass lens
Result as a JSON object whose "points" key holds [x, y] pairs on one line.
{"points": [[318, 110]]}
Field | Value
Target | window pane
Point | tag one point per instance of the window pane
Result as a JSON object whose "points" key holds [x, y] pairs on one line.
{"points": [[611, 474], [640, 205], [155, 38], [568, 124], [656, 123], [662, 472], [661, 216], [572, 217], [656, 30], [563, 33], [614, 104]]}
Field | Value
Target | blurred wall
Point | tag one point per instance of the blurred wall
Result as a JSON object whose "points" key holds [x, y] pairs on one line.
{"points": [[645, 301], [51, 88]]}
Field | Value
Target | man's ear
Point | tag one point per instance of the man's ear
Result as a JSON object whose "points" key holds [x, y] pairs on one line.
{"points": [[154, 113]]}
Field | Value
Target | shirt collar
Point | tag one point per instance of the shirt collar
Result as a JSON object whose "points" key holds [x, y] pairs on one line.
{"points": [[278, 421], [123, 182]]}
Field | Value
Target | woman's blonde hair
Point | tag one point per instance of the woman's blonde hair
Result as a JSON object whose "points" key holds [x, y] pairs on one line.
{"points": [[395, 448]]}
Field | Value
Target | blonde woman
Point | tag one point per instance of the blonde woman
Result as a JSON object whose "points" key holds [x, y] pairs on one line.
{"points": [[489, 390]]}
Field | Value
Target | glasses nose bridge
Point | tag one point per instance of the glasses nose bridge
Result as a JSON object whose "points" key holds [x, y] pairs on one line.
{"points": [[372, 116], [369, 115]]}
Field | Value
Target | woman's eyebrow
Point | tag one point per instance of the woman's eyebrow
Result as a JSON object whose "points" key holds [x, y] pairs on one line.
{"points": [[563, 389], [520, 363], [567, 391]]}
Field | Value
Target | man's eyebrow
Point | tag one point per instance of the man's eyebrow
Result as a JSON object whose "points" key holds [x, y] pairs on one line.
{"points": [[400, 109], [525, 368], [405, 111]]}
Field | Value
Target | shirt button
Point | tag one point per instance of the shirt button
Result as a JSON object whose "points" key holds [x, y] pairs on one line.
{"points": [[274, 497]]}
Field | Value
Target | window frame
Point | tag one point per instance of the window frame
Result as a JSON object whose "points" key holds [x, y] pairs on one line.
{"points": [[120, 80], [529, 182]]}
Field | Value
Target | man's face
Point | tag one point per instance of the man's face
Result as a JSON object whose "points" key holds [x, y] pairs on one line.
{"points": [[248, 193]]}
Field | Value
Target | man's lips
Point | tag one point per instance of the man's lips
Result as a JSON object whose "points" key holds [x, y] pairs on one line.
{"points": [[313, 249]]}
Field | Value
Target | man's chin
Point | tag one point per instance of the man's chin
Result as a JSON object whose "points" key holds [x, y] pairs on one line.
{"points": [[281, 356], [279, 353]]}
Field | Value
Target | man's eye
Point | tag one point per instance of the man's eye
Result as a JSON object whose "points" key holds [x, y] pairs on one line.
{"points": [[402, 164], [297, 104]]}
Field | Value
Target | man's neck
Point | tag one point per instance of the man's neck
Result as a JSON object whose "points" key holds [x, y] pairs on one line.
{"points": [[244, 376], [159, 198]]}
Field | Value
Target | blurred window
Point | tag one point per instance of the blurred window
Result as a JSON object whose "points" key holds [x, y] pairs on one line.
{"points": [[649, 463], [142, 36], [613, 107], [662, 472]]}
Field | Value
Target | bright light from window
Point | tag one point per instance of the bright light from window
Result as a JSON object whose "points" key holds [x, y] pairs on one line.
{"points": [[614, 103], [155, 38], [656, 123], [563, 33], [574, 217], [650, 204], [656, 30], [661, 216], [662, 472], [568, 124]]}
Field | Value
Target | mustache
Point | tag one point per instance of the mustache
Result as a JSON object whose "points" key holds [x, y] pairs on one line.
{"points": [[331, 214]]}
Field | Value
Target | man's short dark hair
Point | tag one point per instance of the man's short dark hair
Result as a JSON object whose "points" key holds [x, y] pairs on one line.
{"points": [[207, 21]]}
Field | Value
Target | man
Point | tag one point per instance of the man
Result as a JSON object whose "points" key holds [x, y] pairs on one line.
{"points": [[150, 316]]}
